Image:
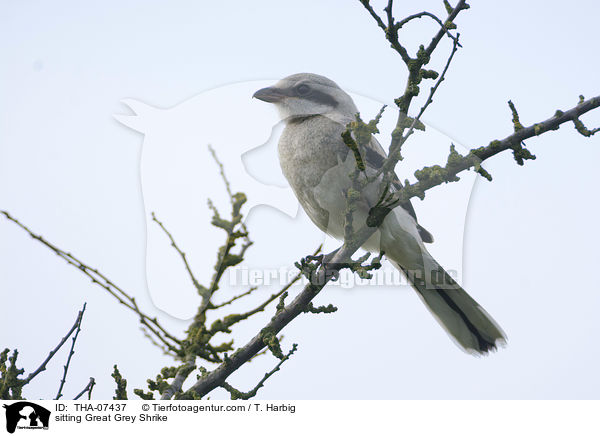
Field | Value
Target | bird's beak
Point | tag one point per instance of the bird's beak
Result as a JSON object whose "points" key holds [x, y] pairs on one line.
{"points": [[270, 95]]}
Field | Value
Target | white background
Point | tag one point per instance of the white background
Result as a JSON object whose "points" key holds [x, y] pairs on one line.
{"points": [[72, 173], [352, 418]]}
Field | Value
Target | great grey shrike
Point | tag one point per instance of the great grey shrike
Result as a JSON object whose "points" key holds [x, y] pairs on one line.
{"points": [[317, 164]]}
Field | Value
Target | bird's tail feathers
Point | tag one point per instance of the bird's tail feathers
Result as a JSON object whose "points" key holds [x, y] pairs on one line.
{"points": [[471, 327]]}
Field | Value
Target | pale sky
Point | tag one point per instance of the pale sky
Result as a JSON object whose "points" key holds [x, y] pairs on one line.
{"points": [[525, 244]]}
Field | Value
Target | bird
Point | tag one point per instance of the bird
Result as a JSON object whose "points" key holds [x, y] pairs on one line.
{"points": [[317, 163]]}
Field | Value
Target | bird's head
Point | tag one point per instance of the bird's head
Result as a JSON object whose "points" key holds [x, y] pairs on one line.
{"points": [[305, 94]]}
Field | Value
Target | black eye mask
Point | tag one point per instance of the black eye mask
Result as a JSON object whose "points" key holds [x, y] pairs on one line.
{"points": [[321, 98]]}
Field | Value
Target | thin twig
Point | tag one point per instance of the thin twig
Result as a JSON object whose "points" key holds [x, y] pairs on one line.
{"points": [[163, 348], [435, 87], [227, 186], [394, 155], [221, 171], [462, 4], [231, 236], [197, 284], [71, 352], [88, 388], [220, 325], [42, 367], [235, 394], [237, 297], [152, 324], [390, 31], [430, 15]]}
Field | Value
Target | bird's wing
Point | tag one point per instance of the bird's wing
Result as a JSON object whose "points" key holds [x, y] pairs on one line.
{"points": [[374, 156]]}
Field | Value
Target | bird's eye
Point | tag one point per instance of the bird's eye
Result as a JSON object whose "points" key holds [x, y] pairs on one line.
{"points": [[302, 89]]}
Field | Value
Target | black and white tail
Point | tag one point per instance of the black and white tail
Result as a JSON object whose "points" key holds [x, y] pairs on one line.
{"points": [[472, 328]]}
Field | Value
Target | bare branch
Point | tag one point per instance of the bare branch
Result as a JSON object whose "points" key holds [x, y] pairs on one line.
{"points": [[148, 335], [461, 5], [435, 87], [228, 188], [237, 297], [433, 17], [221, 171], [152, 324], [429, 177], [197, 284], [71, 352], [235, 394], [42, 367], [394, 155], [415, 75], [88, 388], [390, 30], [224, 324]]}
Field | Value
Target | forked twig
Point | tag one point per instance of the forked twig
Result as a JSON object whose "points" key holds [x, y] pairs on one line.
{"points": [[42, 367]]}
